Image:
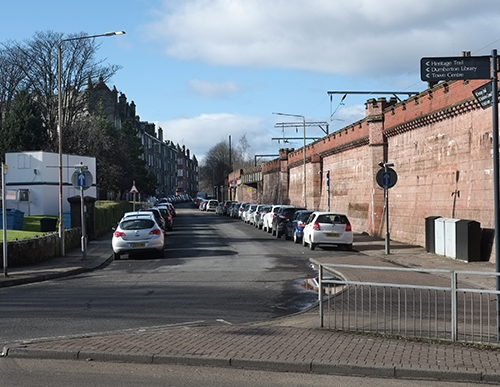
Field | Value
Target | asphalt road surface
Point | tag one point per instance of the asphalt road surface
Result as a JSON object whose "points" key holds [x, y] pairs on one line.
{"points": [[216, 270]]}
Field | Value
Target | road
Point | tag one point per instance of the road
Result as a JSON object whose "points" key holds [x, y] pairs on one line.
{"points": [[217, 270]]}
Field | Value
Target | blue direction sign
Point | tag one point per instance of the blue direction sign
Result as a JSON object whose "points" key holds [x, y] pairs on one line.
{"points": [[81, 179], [455, 68], [387, 179]]}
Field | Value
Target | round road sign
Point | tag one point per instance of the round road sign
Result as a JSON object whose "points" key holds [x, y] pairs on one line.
{"points": [[81, 179], [387, 179]]}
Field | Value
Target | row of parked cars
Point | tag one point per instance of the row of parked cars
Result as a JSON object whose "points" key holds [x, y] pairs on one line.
{"points": [[144, 231], [311, 228]]}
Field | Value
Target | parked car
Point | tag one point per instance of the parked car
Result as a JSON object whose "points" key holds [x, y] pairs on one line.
{"points": [[203, 205], [254, 219], [267, 224], [158, 217], [220, 208], [328, 228], [235, 210], [241, 209], [230, 208], [295, 228], [167, 217], [171, 207], [248, 213], [212, 205], [138, 233], [226, 205], [260, 216], [281, 218]]}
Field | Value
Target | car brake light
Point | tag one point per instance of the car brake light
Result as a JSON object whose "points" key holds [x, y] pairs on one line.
{"points": [[348, 227], [156, 231], [118, 234], [300, 224], [316, 226]]}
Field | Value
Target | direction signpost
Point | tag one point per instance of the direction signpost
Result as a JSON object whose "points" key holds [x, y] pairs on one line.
{"points": [[484, 95], [454, 68], [387, 178], [475, 67], [82, 179]]}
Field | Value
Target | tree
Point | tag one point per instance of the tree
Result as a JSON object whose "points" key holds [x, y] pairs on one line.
{"points": [[95, 136], [132, 162], [10, 82], [216, 164], [24, 128], [36, 60]]}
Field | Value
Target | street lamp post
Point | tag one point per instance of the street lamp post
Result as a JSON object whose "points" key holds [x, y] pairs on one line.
{"points": [[304, 127], [60, 125]]}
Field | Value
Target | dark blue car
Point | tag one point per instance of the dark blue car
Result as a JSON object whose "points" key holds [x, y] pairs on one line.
{"points": [[295, 227]]}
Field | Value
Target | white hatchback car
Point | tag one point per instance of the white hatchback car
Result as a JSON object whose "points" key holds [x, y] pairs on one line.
{"points": [[267, 224], [138, 233], [327, 228], [212, 205]]}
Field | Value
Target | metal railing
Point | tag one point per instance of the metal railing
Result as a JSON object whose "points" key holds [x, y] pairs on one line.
{"points": [[425, 303]]}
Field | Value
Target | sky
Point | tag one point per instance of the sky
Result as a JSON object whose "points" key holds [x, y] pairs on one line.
{"points": [[208, 70]]}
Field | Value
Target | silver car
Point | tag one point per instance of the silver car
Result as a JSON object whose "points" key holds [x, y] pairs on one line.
{"points": [[327, 228], [138, 233]]}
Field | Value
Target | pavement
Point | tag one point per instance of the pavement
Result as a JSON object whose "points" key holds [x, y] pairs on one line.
{"points": [[294, 343]]}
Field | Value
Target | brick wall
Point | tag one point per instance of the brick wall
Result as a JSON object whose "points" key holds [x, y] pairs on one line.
{"points": [[440, 142]]}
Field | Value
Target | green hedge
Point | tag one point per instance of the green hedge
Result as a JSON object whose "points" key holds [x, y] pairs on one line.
{"points": [[108, 213]]}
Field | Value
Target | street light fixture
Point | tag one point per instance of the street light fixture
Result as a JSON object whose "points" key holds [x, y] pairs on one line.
{"points": [[304, 126], [60, 124]]}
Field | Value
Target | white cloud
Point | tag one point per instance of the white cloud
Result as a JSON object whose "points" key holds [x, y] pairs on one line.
{"points": [[338, 37], [211, 89], [201, 133]]}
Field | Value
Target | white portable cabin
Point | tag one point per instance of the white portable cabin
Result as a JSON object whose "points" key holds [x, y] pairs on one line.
{"points": [[32, 181]]}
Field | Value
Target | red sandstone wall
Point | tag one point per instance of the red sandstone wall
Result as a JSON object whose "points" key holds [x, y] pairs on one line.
{"points": [[427, 160], [350, 186], [429, 138]]}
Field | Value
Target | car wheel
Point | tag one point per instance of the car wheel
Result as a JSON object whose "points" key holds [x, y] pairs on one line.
{"points": [[304, 243], [296, 238], [273, 232], [116, 256], [348, 247], [312, 246], [278, 234], [287, 237]]}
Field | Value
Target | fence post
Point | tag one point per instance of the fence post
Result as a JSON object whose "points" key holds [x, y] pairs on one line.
{"points": [[320, 295], [454, 312]]}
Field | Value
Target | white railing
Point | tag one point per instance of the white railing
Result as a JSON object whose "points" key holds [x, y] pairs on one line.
{"points": [[424, 303]]}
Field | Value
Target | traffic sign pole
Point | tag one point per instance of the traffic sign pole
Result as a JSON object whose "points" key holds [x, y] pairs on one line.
{"points": [[496, 171], [386, 192], [387, 178], [4, 221], [82, 179], [84, 228]]}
